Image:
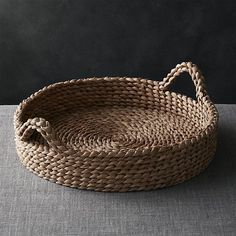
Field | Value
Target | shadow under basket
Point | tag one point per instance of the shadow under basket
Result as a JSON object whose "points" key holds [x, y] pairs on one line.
{"points": [[117, 134]]}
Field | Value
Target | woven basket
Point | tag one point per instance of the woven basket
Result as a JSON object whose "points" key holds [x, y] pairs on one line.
{"points": [[117, 134]]}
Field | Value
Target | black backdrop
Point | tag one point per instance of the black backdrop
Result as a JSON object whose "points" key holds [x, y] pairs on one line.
{"points": [[45, 41]]}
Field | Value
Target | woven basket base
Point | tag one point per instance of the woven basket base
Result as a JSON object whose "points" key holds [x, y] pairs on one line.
{"points": [[106, 128]]}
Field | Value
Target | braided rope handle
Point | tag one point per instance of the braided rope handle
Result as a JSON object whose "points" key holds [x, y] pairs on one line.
{"points": [[44, 128], [196, 75]]}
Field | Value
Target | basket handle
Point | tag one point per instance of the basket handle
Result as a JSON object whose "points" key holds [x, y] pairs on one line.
{"points": [[196, 75], [44, 128]]}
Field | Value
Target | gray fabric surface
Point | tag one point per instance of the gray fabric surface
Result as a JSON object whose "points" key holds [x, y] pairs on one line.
{"points": [[205, 205]]}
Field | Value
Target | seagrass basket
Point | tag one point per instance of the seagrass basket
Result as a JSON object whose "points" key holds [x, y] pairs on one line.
{"points": [[117, 134]]}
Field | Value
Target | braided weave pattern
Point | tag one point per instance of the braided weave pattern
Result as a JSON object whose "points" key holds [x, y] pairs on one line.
{"points": [[117, 134]]}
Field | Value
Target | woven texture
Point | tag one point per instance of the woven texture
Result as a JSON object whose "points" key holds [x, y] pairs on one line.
{"points": [[117, 134]]}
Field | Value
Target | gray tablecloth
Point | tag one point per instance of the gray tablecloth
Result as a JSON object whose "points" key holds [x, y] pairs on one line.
{"points": [[205, 205]]}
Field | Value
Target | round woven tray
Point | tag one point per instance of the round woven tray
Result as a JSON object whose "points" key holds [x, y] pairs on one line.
{"points": [[117, 134]]}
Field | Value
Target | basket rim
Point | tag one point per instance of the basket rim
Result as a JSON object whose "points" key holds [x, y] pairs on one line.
{"points": [[207, 131]]}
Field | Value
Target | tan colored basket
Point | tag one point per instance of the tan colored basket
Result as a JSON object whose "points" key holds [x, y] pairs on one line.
{"points": [[117, 134]]}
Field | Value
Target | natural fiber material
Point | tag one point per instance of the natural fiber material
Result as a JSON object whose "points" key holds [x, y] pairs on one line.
{"points": [[117, 134]]}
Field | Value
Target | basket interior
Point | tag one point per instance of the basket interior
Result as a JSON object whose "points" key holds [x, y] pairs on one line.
{"points": [[102, 114]]}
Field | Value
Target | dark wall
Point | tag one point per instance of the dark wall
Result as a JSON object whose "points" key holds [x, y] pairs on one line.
{"points": [[42, 42]]}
